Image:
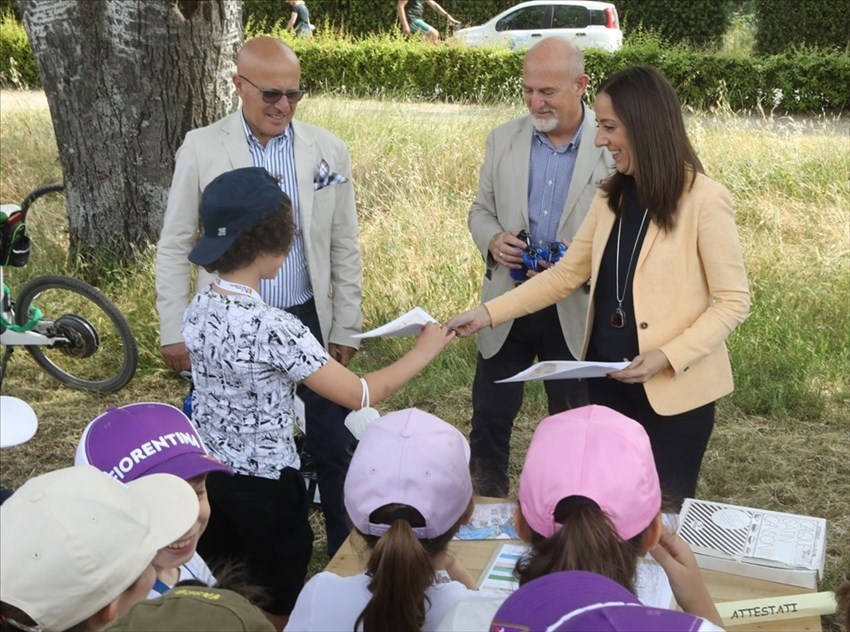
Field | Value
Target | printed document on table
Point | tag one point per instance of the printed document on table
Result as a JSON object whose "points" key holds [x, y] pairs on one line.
{"points": [[410, 324], [565, 370]]}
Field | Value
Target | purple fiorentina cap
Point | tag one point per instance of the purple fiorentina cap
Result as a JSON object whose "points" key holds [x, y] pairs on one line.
{"points": [[145, 438], [579, 601]]}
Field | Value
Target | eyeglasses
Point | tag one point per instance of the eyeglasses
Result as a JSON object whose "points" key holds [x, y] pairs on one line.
{"points": [[273, 95]]}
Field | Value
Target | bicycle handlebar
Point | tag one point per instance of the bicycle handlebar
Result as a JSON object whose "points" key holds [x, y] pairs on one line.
{"points": [[32, 196]]}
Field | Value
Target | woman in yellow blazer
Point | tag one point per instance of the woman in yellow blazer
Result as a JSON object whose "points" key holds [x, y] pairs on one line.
{"points": [[667, 280]]}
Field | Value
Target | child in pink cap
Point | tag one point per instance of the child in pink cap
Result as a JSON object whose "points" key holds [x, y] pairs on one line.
{"points": [[590, 500], [150, 438], [407, 492]]}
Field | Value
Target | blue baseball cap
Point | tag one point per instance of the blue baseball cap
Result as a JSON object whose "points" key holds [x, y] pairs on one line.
{"points": [[232, 202]]}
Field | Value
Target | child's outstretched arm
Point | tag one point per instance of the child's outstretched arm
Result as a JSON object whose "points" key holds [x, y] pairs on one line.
{"points": [[336, 383]]}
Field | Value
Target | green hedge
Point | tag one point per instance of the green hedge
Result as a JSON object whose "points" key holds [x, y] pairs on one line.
{"points": [[806, 81], [17, 65], [784, 24], [697, 22]]}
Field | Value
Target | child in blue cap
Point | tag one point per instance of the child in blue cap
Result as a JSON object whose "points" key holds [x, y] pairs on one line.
{"points": [[247, 359]]}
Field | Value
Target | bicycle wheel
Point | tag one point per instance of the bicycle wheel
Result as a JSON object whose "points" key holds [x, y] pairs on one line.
{"points": [[100, 353]]}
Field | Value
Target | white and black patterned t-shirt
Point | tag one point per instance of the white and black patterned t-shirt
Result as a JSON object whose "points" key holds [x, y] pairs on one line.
{"points": [[247, 358]]}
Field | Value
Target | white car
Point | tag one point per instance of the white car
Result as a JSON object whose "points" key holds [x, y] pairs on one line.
{"points": [[589, 24]]}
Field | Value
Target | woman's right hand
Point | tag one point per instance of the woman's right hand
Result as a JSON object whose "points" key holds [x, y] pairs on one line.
{"points": [[676, 558], [469, 322], [433, 339]]}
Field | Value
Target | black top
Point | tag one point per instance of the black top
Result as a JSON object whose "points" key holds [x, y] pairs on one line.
{"points": [[607, 343]]}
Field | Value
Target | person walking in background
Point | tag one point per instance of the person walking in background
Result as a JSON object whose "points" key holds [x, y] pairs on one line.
{"points": [[667, 277], [320, 281], [299, 19], [410, 16], [540, 174]]}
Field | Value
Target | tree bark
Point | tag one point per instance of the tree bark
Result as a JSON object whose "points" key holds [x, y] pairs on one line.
{"points": [[125, 80]]}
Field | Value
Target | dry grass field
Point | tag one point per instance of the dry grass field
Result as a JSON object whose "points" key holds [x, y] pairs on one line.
{"points": [[782, 439]]}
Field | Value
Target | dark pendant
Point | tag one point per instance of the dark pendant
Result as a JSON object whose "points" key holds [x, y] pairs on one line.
{"points": [[618, 318]]}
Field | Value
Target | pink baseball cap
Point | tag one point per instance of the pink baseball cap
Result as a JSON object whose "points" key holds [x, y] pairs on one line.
{"points": [[413, 458], [593, 452], [145, 438]]}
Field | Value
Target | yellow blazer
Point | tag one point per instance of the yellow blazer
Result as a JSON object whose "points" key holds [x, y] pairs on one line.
{"points": [[690, 291]]}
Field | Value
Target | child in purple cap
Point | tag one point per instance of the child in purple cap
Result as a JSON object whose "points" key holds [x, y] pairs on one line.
{"points": [[247, 359], [407, 492], [151, 438], [576, 601]]}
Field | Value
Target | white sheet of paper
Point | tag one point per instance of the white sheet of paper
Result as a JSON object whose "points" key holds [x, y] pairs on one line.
{"points": [[651, 584], [565, 370], [410, 324]]}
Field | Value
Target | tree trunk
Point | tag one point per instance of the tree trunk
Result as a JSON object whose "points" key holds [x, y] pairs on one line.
{"points": [[125, 80]]}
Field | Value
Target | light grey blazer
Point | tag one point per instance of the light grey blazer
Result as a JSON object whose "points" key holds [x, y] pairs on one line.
{"points": [[502, 205]]}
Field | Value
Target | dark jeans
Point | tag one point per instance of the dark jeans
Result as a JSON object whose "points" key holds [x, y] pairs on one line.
{"points": [[495, 406], [678, 441], [263, 523], [328, 441]]}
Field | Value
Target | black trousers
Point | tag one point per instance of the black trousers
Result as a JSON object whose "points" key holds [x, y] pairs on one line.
{"points": [[328, 441], [263, 523], [678, 441], [495, 406]]}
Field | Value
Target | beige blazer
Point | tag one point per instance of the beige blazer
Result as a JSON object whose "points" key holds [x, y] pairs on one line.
{"points": [[690, 291], [502, 205], [328, 220]]}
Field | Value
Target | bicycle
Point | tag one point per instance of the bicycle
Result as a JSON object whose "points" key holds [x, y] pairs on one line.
{"points": [[89, 346]]}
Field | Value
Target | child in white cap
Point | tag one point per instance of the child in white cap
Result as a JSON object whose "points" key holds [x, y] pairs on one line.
{"points": [[76, 546], [247, 360], [147, 438], [407, 492]]}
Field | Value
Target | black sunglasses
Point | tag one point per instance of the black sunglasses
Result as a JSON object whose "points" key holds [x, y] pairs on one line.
{"points": [[273, 96]]}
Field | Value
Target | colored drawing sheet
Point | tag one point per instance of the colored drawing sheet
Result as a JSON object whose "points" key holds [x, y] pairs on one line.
{"points": [[499, 575], [490, 521]]}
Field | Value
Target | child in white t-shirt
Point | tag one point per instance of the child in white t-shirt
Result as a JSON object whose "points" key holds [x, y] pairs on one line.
{"points": [[407, 492], [146, 438], [247, 359]]}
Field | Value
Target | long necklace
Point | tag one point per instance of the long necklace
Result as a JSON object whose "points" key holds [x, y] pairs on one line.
{"points": [[618, 318]]}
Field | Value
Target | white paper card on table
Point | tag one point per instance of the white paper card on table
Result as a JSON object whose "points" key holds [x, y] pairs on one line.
{"points": [[490, 521], [410, 324], [565, 370], [651, 584], [499, 575]]}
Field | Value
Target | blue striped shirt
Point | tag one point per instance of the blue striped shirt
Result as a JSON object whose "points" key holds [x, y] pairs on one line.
{"points": [[292, 285], [550, 170]]}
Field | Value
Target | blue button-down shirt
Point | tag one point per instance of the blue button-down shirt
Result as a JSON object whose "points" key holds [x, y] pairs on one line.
{"points": [[550, 170], [292, 284]]}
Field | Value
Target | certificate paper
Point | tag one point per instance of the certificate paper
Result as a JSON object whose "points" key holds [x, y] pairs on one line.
{"points": [[410, 324], [565, 370]]}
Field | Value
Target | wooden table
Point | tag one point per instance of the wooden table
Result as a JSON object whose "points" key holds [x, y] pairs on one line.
{"points": [[475, 556]]}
